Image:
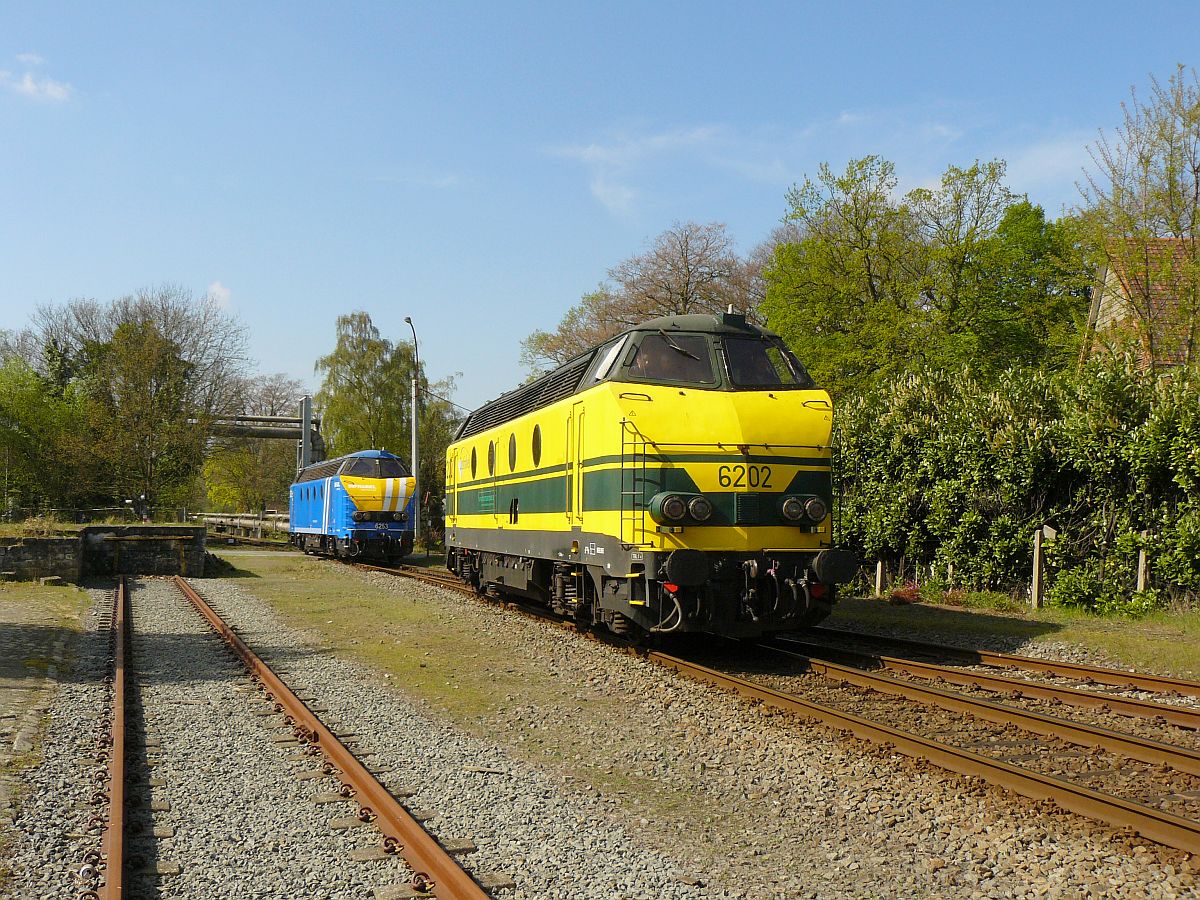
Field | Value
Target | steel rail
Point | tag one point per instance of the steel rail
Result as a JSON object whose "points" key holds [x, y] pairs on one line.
{"points": [[1185, 716], [402, 833], [1163, 827], [1142, 749], [1153, 824], [1100, 674], [112, 843]]}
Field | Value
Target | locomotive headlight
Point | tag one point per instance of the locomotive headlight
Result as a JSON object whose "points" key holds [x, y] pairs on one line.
{"points": [[398, 517], [793, 509], [816, 510], [700, 508], [358, 516], [674, 508]]}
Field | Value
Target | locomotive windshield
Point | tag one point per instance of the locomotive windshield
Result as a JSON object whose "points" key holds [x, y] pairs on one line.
{"points": [[754, 362], [674, 358], [375, 468]]}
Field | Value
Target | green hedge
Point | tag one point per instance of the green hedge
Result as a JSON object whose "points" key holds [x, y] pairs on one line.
{"points": [[953, 468]]}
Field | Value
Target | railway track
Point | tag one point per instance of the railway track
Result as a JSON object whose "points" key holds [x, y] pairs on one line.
{"points": [[1033, 739], [102, 875], [1184, 716], [1079, 672]]}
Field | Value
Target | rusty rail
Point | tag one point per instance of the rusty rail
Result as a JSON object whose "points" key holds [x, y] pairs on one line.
{"points": [[1099, 674], [112, 843], [1185, 716], [1143, 749], [1119, 812], [1163, 827], [436, 870]]}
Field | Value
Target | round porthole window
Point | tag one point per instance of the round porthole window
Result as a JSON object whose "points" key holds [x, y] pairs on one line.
{"points": [[512, 453], [537, 445], [474, 462], [491, 457]]}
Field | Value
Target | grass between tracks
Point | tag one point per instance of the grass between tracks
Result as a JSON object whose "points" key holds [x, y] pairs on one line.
{"points": [[421, 646], [480, 684], [1162, 642]]}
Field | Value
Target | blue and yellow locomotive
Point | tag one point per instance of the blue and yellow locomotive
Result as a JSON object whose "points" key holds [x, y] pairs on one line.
{"points": [[676, 478], [355, 506]]}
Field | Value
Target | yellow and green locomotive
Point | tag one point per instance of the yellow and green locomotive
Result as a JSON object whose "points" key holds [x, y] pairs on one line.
{"points": [[675, 478]]}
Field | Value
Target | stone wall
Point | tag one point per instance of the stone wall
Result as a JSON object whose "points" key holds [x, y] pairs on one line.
{"points": [[32, 558], [107, 550], [143, 550]]}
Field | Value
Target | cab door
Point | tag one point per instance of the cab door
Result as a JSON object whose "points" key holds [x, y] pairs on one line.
{"points": [[575, 426], [451, 507]]}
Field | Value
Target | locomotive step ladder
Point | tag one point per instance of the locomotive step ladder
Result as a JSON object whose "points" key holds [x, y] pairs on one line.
{"points": [[633, 481]]}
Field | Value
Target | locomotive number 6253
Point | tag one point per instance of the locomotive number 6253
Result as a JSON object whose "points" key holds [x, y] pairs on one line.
{"points": [[744, 476]]}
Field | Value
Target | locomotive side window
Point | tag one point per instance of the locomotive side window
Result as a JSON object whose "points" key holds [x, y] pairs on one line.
{"points": [[474, 461], [674, 358], [757, 363], [537, 445], [512, 453], [491, 457], [607, 357]]}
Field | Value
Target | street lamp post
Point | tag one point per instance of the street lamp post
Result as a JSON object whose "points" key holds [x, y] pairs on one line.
{"points": [[416, 459]]}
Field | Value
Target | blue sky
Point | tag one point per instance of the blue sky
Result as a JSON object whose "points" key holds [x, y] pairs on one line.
{"points": [[480, 166]]}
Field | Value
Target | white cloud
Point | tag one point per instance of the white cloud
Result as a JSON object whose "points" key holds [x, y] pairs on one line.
{"points": [[29, 59], [613, 163], [424, 179], [625, 150], [219, 294], [1051, 161], [29, 85], [616, 198]]}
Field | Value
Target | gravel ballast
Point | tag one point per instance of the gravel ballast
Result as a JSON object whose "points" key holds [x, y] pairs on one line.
{"points": [[643, 785]]}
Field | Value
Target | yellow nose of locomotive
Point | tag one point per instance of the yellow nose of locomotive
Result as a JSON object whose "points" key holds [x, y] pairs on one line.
{"points": [[378, 494]]}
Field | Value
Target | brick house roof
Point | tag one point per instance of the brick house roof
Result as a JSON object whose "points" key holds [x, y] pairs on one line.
{"points": [[1148, 293]]}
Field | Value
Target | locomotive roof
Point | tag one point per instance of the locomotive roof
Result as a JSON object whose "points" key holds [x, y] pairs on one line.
{"points": [[721, 323], [333, 464], [564, 381]]}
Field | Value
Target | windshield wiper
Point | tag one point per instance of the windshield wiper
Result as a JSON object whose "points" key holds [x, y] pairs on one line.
{"points": [[674, 346]]}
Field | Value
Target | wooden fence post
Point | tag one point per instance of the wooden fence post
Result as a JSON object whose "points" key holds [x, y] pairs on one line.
{"points": [[1141, 569], [1035, 591], [879, 578], [1037, 588]]}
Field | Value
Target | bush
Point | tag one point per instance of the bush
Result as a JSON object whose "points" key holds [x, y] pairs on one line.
{"points": [[951, 468]]}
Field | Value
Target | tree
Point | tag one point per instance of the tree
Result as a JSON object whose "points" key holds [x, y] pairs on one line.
{"points": [[1142, 206], [209, 339], [965, 274], [590, 322], [689, 268], [148, 438], [364, 396], [845, 294], [249, 474], [44, 456]]}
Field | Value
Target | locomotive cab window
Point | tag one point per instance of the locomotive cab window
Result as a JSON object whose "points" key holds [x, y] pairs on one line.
{"points": [[375, 468], [606, 359], [674, 358], [758, 363]]}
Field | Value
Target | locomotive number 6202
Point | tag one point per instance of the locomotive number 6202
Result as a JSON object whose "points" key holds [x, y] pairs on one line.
{"points": [[744, 476]]}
